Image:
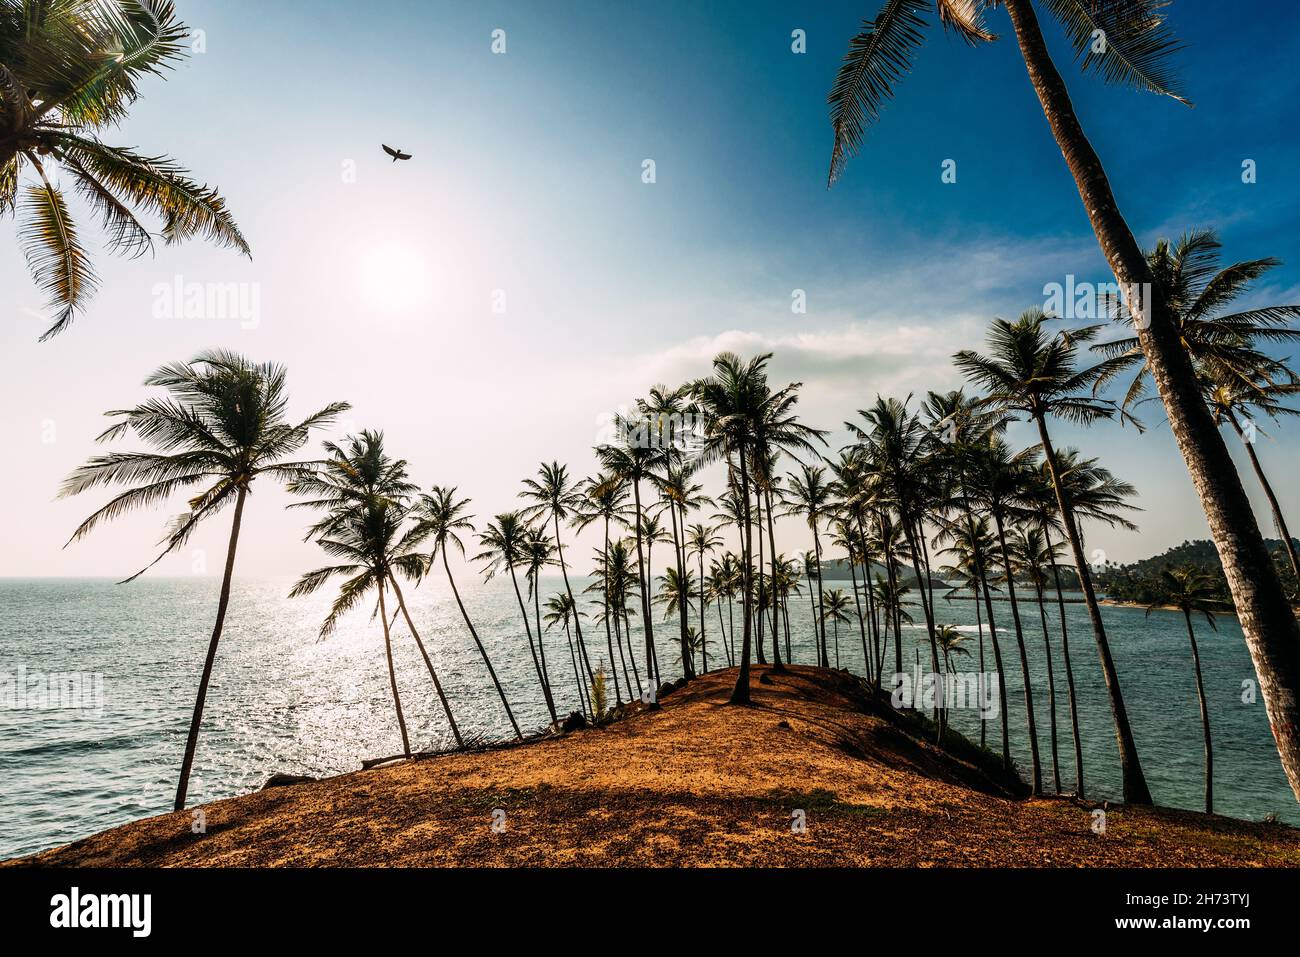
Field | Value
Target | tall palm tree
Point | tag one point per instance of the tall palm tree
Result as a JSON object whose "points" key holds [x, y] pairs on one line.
{"points": [[221, 426], [732, 401], [605, 501], [69, 71], [555, 497], [1137, 45], [1191, 591], [1001, 479], [811, 495], [1031, 556], [440, 515], [633, 460], [951, 642], [1036, 373], [505, 545], [701, 541]]}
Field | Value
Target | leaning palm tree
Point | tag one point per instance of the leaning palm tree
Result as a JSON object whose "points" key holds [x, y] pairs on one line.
{"points": [[1136, 45], [605, 500], [505, 545], [1031, 371], [221, 426], [441, 516], [555, 497], [561, 610], [1192, 591], [365, 536], [69, 71]]}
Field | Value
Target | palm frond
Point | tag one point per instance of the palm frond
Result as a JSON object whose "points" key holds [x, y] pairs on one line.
{"points": [[1127, 42], [54, 254], [877, 59]]}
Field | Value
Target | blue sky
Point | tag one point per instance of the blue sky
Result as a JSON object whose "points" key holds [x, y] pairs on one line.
{"points": [[527, 179]]}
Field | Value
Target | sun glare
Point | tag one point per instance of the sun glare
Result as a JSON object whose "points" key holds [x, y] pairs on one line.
{"points": [[395, 278]]}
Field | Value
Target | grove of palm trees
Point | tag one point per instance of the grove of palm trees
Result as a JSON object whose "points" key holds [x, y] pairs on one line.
{"points": [[855, 575]]}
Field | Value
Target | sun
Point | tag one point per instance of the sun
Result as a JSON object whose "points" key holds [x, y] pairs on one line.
{"points": [[397, 278]]}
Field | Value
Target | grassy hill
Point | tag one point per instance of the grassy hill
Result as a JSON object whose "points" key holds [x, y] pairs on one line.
{"points": [[696, 782]]}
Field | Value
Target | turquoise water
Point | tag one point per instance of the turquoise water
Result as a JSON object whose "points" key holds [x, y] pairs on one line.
{"points": [[281, 700]]}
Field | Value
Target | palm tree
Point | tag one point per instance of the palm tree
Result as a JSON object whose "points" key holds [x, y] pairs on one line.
{"points": [[369, 538], [560, 608], [1225, 349], [1191, 591], [1137, 44], [732, 400], [605, 501], [1038, 374], [810, 495], [539, 552], [68, 71], [836, 611], [633, 461], [358, 473], [556, 498], [1001, 479], [675, 594], [441, 516], [702, 540], [679, 492], [221, 427], [951, 642], [1031, 555], [505, 545]]}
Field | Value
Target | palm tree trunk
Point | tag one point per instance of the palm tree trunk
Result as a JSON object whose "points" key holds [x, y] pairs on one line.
{"points": [[645, 591], [910, 534], [981, 571], [823, 654], [731, 638], [758, 610], [577, 622], [704, 643], [437, 685], [537, 665], [1278, 520], [688, 654], [1205, 715], [979, 631], [1267, 621], [1024, 658], [862, 625], [223, 602], [1069, 669], [496, 682], [740, 693], [578, 678], [1135, 785], [1051, 685], [609, 640], [776, 605], [392, 672]]}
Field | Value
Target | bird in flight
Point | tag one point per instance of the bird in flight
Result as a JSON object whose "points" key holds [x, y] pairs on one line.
{"points": [[395, 154]]}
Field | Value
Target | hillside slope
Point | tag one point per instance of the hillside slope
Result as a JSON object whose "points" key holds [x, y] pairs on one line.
{"points": [[697, 782]]}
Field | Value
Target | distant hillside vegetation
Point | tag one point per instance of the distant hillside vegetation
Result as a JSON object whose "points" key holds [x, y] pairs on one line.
{"points": [[1140, 581]]}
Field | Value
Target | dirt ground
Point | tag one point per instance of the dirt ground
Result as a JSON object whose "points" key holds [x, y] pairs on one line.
{"points": [[695, 783]]}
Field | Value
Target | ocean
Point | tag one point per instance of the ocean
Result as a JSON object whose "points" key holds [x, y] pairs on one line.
{"points": [[119, 665]]}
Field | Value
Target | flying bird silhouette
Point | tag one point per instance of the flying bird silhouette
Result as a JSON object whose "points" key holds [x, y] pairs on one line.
{"points": [[395, 154]]}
